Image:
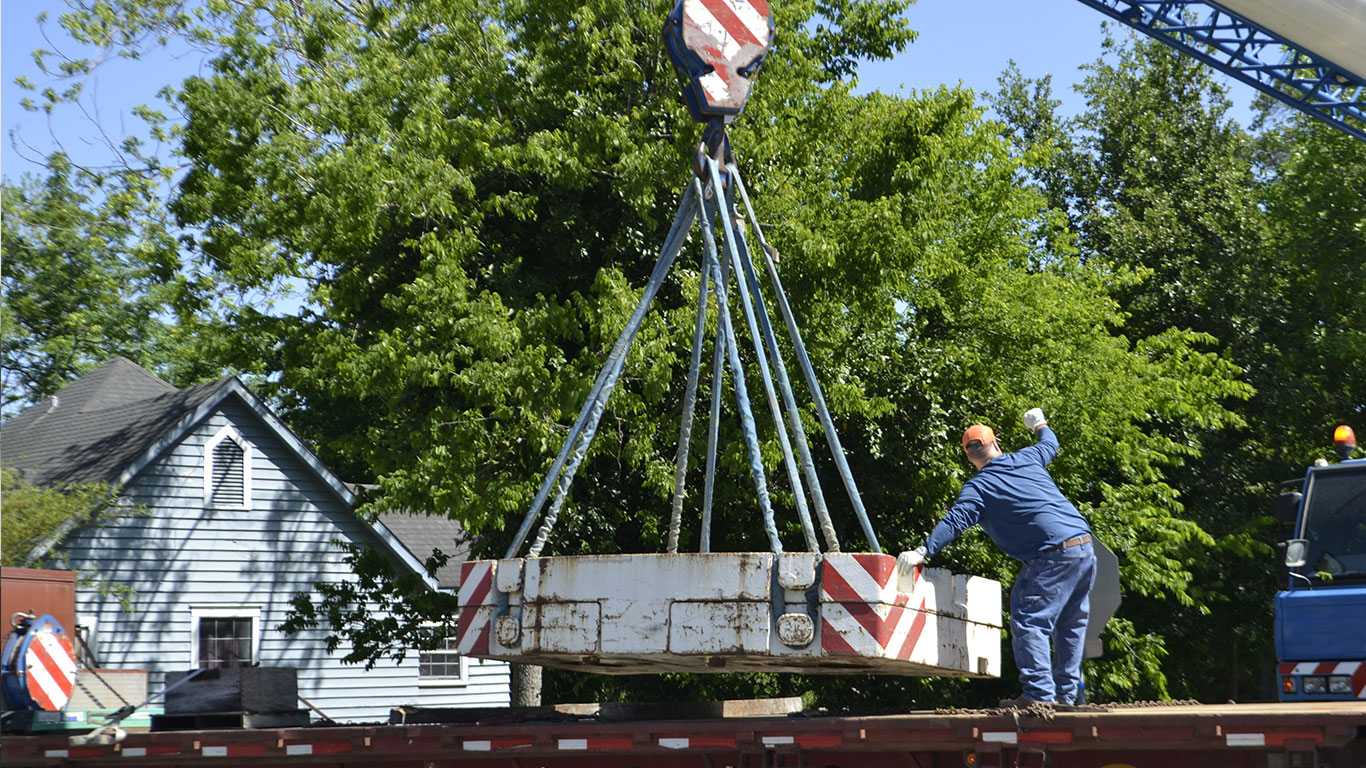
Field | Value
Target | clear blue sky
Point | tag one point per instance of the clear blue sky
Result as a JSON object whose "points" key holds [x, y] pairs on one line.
{"points": [[968, 41]]}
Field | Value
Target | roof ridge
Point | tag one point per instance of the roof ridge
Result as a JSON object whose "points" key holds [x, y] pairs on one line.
{"points": [[117, 382]]}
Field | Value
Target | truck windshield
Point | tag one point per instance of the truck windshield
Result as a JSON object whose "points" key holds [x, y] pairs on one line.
{"points": [[1335, 524]]}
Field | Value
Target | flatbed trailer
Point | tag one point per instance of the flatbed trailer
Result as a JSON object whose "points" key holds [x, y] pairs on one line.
{"points": [[1272, 735]]}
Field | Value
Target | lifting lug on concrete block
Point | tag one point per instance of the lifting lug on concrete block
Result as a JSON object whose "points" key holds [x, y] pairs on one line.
{"points": [[508, 630], [796, 572], [796, 629], [507, 619]]}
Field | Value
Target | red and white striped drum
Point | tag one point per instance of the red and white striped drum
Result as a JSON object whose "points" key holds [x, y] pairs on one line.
{"points": [[39, 665], [51, 666]]}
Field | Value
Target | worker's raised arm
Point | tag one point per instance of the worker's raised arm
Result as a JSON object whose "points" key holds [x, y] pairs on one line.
{"points": [[1047, 446]]}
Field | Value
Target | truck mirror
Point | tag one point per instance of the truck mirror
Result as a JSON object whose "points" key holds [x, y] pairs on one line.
{"points": [[1296, 552], [1288, 506]]}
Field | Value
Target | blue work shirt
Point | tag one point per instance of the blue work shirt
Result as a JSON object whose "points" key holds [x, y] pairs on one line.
{"points": [[1016, 502]]}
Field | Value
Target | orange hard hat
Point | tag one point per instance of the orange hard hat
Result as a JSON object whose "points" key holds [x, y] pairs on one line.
{"points": [[978, 435]]}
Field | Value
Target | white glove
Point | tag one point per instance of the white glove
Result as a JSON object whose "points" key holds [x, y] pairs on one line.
{"points": [[908, 560], [1033, 419]]}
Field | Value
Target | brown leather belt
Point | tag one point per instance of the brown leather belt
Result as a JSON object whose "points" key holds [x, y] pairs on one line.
{"points": [[1085, 538]]}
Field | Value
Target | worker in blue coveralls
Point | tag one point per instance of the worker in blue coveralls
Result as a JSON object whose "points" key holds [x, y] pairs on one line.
{"points": [[1016, 502]]}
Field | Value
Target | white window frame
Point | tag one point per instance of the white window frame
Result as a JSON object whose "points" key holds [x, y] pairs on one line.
{"points": [[225, 611], [227, 433], [448, 681]]}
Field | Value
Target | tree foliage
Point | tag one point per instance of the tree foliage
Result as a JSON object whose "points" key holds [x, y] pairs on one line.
{"points": [[1229, 238], [35, 516], [87, 269]]}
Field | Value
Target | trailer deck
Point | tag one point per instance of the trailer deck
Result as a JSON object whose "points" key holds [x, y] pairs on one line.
{"points": [[1158, 736]]}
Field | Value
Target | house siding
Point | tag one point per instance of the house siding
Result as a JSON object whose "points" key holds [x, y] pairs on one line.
{"points": [[183, 554]]}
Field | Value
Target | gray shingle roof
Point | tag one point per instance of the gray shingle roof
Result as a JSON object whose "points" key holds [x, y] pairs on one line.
{"points": [[423, 533], [97, 426], [104, 426]]}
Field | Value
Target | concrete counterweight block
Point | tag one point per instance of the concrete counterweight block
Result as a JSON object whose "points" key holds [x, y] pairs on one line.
{"points": [[730, 612]]}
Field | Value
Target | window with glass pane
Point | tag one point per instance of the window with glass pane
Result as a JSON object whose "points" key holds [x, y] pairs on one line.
{"points": [[441, 662], [224, 642]]}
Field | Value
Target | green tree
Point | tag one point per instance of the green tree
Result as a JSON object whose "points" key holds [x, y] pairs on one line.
{"points": [[1155, 178], [1248, 241], [1309, 372], [86, 272], [34, 516], [34, 520]]}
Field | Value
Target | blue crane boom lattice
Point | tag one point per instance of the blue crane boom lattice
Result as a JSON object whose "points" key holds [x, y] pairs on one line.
{"points": [[1251, 54]]}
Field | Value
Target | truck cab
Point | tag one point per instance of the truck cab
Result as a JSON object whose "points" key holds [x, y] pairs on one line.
{"points": [[1321, 614]]}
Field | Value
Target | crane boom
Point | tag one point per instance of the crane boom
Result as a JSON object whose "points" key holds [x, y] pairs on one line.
{"points": [[1309, 54]]}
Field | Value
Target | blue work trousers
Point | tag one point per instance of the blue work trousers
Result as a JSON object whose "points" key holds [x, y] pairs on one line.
{"points": [[1049, 605]]}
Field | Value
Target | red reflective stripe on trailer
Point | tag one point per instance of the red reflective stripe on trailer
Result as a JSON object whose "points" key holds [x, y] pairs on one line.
{"points": [[820, 740], [1325, 667], [58, 754], [1046, 737], [317, 748], [1279, 739], [1286, 668], [1270, 739], [152, 751], [405, 744], [597, 744], [672, 741], [233, 750], [489, 745]]}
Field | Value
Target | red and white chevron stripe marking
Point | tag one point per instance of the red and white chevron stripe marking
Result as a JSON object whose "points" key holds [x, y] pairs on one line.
{"points": [[725, 28], [475, 600], [865, 615], [51, 667], [1355, 669]]}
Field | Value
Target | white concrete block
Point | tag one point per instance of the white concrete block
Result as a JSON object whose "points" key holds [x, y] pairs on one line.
{"points": [[717, 613]]}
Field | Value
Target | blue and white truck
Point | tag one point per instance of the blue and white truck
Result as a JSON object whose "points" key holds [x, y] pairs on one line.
{"points": [[1321, 614]]}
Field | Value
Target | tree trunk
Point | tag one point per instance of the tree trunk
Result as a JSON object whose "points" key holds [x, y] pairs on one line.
{"points": [[526, 685]]}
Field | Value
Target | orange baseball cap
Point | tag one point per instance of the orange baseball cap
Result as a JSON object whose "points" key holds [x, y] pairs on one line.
{"points": [[976, 435]]}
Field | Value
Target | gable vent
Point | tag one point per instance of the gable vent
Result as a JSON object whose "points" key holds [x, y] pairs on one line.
{"points": [[229, 474]]}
